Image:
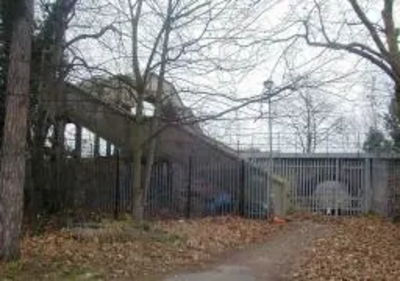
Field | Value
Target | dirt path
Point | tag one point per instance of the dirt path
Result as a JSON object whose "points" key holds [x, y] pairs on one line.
{"points": [[272, 261]]}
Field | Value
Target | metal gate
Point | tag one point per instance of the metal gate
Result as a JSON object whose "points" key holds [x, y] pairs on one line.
{"points": [[329, 185]]}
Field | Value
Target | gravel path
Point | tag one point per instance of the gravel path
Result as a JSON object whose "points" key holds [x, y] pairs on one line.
{"points": [[272, 261]]}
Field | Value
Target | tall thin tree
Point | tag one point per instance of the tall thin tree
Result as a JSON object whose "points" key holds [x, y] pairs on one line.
{"points": [[12, 177]]}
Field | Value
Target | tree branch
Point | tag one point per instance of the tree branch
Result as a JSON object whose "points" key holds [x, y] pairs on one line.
{"points": [[391, 37], [362, 16], [134, 17], [351, 48], [90, 36]]}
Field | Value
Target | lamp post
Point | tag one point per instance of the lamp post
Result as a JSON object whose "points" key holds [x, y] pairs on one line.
{"points": [[268, 84], [268, 91]]}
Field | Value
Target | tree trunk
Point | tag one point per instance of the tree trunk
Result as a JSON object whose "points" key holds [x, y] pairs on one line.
{"points": [[137, 207], [394, 117], [157, 105], [46, 87], [5, 38], [138, 136], [137, 131], [40, 128], [397, 98], [12, 177]]}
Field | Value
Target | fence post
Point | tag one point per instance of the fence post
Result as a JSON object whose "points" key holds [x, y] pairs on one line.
{"points": [[189, 189], [242, 182], [59, 132], [337, 179], [117, 186], [368, 180], [170, 183]]}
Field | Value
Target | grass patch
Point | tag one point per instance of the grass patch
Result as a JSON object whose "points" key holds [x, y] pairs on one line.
{"points": [[121, 231], [371, 215], [12, 269], [37, 269], [162, 236]]}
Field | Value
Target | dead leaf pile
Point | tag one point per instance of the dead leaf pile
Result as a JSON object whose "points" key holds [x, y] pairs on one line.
{"points": [[356, 249], [216, 234], [166, 246]]}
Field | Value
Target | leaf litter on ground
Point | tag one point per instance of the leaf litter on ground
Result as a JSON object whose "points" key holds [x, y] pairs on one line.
{"points": [[118, 250], [356, 249]]}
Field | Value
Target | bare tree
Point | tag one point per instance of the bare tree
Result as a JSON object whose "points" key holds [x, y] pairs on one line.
{"points": [[312, 118], [158, 38], [169, 48], [379, 46], [15, 129], [183, 41], [363, 29]]}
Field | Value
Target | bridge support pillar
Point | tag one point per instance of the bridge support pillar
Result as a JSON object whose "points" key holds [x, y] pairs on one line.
{"points": [[78, 141]]}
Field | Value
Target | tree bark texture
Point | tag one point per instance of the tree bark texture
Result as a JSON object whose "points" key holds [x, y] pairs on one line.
{"points": [[12, 177]]}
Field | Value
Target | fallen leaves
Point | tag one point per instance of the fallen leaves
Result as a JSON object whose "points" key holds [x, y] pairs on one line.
{"points": [[354, 249], [122, 251], [221, 233], [357, 249]]}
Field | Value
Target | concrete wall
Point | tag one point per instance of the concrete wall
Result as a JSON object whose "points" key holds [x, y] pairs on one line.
{"points": [[379, 187]]}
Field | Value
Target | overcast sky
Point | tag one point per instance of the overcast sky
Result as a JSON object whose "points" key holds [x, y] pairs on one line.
{"points": [[361, 97]]}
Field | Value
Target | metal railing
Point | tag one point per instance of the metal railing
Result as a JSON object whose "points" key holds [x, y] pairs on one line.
{"points": [[200, 187]]}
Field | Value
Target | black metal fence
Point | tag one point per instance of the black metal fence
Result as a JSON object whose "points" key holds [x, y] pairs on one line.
{"points": [[202, 189], [199, 187], [192, 189]]}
